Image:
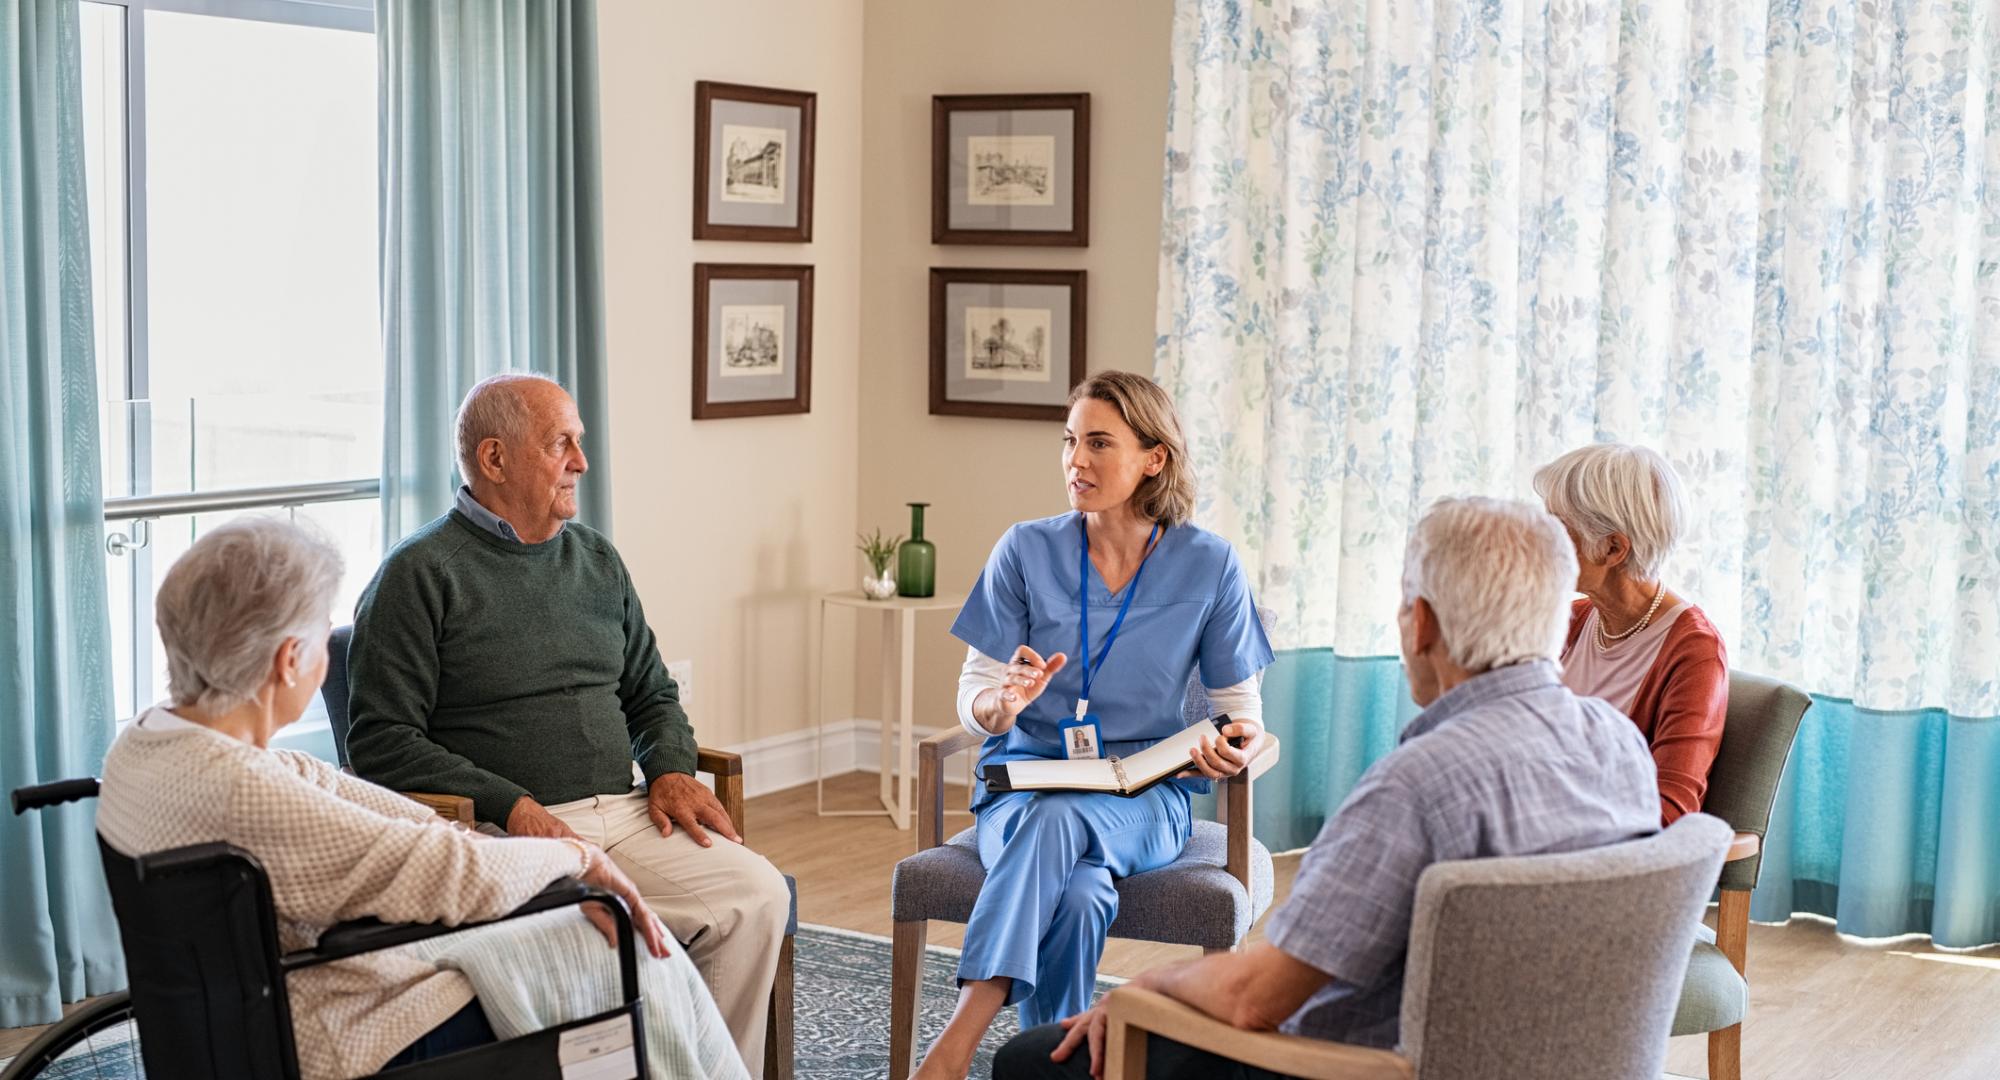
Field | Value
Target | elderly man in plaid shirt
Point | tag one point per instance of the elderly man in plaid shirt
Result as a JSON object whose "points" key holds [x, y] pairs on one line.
{"points": [[1504, 760]]}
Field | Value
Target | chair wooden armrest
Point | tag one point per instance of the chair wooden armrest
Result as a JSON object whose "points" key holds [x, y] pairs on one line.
{"points": [[931, 755], [727, 768], [1743, 846], [1133, 1013], [449, 807], [1234, 808]]}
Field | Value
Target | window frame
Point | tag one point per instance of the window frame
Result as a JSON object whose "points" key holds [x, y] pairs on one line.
{"points": [[138, 507]]}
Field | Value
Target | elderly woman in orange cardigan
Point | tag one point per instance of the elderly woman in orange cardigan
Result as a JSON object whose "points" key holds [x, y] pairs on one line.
{"points": [[1632, 641]]}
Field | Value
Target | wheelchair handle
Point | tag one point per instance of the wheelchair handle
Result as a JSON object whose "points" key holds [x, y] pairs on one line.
{"points": [[38, 796]]}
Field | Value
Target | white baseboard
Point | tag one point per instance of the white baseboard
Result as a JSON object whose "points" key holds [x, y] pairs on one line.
{"points": [[786, 761]]}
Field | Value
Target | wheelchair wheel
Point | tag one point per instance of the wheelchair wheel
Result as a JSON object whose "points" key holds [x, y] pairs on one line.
{"points": [[97, 1042]]}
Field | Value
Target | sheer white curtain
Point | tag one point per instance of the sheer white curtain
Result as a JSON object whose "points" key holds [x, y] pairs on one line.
{"points": [[1419, 247]]}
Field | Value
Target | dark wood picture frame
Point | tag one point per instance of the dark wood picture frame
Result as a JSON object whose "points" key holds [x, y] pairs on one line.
{"points": [[944, 105], [944, 277], [706, 94], [801, 399]]}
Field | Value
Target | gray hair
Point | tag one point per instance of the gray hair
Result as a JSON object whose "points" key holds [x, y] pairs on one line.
{"points": [[1498, 573], [493, 409], [1617, 488], [226, 606]]}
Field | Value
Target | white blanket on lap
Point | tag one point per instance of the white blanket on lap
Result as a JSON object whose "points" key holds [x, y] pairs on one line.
{"points": [[548, 969]]}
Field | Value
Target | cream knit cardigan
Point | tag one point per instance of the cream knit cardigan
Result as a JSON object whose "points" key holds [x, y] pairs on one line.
{"points": [[335, 848]]}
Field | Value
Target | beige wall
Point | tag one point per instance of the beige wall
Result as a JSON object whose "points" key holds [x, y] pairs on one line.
{"points": [[732, 526], [982, 475], [729, 526]]}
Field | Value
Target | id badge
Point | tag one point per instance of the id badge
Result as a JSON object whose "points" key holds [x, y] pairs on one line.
{"points": [[1079, 736]]}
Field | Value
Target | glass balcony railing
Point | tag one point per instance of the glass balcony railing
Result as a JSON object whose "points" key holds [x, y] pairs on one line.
{"points": [[313, 458]]}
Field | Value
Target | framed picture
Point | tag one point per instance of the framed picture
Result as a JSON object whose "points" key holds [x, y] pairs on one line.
{"points": [[1010, 169], [753, 163], [752, 340], [1005, 343]]}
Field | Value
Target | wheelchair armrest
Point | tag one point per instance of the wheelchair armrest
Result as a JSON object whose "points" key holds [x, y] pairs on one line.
{"points": [[358, 936]]}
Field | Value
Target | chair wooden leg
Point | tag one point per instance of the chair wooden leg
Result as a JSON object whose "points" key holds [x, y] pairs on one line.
{"points": [[1732, 937], [778, 1024], [1124, 1052], [906, 984], [1725, 1054]]}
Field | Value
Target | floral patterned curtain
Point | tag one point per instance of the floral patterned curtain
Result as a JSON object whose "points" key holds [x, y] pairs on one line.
{"points": [[1419, 247]]}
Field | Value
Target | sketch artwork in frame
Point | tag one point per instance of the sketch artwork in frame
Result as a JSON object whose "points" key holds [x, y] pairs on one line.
{"points": [[753, 163], [1005, 343], [1010, 169], [752, 340]]}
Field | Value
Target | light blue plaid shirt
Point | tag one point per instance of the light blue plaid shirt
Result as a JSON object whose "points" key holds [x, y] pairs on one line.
{"points": [[1509, 762]]}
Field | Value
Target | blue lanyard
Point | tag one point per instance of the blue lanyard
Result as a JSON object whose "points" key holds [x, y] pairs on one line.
{"points": [[1083, 598]]}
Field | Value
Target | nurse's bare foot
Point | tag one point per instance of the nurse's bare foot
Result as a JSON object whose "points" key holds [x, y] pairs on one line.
{"points": [[944, 1063]]}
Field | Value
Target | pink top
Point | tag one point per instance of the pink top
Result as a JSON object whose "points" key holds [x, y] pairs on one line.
{"points": [[1614, 674]]}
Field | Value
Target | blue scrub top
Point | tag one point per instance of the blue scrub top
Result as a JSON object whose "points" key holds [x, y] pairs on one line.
{"points": [[1192, 606]]}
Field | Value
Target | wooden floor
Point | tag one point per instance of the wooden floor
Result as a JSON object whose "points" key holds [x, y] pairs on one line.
{"points": [[1822, 1007]]}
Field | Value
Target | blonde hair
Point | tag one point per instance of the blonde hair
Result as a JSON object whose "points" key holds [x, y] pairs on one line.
{"points": [[1497, 573], [1168, 497], [1617, 488], [228, 603]]}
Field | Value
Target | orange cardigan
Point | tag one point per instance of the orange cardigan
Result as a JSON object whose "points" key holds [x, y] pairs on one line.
{"points": [[1682, 703]]}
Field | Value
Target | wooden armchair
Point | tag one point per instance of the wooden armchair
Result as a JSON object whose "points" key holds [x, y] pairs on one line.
{"points": [[1208, 897], [725, 767], [1536, 967]]}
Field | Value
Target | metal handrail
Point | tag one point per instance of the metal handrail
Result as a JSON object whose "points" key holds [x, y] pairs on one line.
{"points": [[135, 507]]}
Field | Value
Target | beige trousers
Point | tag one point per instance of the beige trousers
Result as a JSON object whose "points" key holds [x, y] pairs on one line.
{"points": [[726, 905]]}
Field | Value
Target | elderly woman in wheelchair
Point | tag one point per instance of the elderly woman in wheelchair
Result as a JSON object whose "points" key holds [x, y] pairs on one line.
{"points": [[244, 616]]}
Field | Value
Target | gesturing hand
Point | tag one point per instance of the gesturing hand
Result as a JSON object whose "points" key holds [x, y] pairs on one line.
{"points": [[1027, 676], [680, 799]]}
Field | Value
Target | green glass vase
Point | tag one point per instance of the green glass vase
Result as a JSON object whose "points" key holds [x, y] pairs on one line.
{"points": [[916, 560]]}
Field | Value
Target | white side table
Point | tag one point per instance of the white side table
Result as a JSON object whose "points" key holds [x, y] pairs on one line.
{"points": [[899, 654]]}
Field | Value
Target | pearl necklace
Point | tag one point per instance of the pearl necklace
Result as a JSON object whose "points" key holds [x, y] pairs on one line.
{"points": [[1604, 640]]}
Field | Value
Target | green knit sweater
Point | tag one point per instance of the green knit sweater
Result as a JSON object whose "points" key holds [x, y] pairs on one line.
{"points": [[485, 667]]}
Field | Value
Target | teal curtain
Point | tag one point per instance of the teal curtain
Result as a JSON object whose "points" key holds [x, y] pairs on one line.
{"points": [[55, 629], [491, 240], [1417, 248]]}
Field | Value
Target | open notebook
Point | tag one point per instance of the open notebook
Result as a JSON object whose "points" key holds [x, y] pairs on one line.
{"points": [[1126, 776]]}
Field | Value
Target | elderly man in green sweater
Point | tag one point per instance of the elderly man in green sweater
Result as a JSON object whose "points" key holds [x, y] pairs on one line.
{"points": [[501, 654]]}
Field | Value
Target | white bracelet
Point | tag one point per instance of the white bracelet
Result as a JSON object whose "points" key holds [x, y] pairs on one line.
{"points": [[583, 852]]}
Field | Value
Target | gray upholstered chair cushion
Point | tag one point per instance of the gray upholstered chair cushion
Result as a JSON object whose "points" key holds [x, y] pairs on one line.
{"points": [[1556, 965], [1192, 901], [1713, 995]]}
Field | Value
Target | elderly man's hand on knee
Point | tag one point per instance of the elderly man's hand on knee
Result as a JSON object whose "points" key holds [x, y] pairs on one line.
{"points": [[680, 799]]}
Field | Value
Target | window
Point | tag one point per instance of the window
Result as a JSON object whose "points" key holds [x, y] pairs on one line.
{"points": [[231, 152]]}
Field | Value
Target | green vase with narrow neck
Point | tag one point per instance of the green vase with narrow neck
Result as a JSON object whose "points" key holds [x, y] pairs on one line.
{"points": [[916, 560]]}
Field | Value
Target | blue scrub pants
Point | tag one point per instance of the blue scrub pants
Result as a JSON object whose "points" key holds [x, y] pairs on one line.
{"points": [[1048, 901]]}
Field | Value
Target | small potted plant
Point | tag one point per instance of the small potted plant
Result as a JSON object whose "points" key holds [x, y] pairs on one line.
{"points": [[881, 585]]}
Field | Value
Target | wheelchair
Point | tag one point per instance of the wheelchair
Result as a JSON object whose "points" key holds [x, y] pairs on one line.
{"points": [[208, 993]]}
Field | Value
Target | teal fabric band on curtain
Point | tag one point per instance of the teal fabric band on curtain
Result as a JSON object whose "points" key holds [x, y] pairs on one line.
{"points": [[1885, 823], [491, 238], [1334, 716], [61, 943]]}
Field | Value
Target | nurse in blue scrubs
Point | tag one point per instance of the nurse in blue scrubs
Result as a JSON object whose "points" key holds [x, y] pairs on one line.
{"points": [[1083, 630]]}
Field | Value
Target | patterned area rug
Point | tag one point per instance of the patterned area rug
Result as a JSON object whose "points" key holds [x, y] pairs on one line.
{"points": [[841, 1018]]}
